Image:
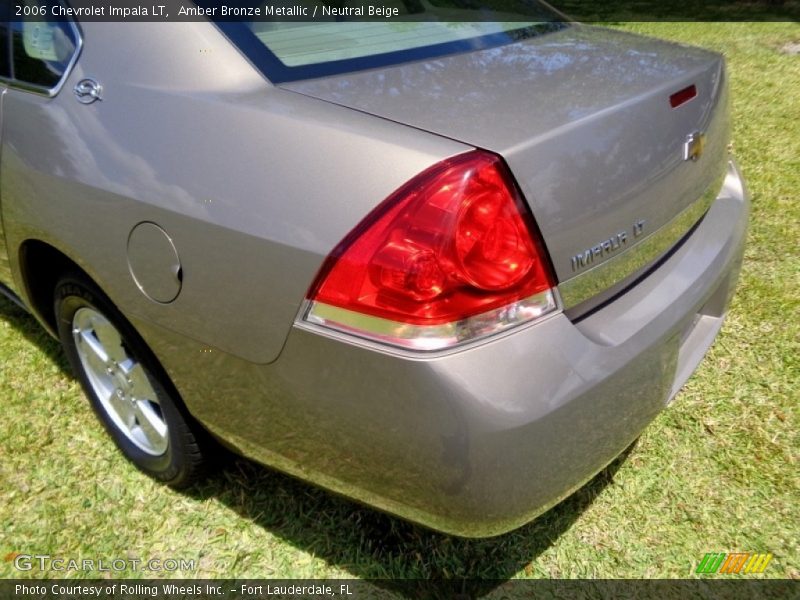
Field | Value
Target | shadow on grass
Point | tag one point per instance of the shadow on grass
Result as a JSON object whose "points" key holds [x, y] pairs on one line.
{"points": [[34, 333], [372, 545], [397, 555], [359, 540]]}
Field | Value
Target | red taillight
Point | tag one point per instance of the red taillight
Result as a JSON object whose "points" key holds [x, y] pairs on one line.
{"points": [[453, 243]]}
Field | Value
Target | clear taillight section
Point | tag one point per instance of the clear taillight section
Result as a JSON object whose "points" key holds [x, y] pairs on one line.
{"points": [[451, 256]]}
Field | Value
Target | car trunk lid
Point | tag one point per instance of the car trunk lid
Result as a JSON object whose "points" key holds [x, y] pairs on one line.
{"points": [[584, 117]]}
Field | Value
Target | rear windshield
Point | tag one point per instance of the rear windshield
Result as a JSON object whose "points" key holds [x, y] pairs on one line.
{"points": [[331, 43]]}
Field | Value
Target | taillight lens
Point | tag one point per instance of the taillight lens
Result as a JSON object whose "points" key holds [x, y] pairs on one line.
{"points": [[451, 256]]}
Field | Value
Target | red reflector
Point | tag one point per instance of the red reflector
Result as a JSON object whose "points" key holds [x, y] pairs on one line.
{"points": [[682, 96]]}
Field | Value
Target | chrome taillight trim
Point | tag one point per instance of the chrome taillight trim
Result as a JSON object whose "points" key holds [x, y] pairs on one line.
{"points": [[430, 338]]}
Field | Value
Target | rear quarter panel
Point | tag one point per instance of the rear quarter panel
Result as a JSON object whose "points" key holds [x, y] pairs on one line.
{"points": [[255, 185]]}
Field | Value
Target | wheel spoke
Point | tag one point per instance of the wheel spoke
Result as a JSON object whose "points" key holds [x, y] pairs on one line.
{"points": [[109, 337], [140, 387], [122, 407], [151, 424], [93, 350]]}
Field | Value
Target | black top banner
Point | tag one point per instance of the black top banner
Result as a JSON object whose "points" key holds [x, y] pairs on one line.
{"points": [[401, 10]]}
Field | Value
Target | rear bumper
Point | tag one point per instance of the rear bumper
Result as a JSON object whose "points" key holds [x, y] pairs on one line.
{"points": [[480, 441]]}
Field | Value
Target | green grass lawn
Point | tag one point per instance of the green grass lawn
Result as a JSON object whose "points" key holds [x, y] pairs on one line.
{"points": [[718, 471]]}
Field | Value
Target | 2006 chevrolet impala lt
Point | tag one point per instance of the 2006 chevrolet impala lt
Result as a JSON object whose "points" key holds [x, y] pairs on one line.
{"points": [[449, 269]]}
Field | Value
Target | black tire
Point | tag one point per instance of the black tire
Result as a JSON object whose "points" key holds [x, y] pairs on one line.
{"points": [[178, 455]]}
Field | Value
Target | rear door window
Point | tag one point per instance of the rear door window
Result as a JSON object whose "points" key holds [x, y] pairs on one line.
{"points": [[5, 41], [41, 51]]}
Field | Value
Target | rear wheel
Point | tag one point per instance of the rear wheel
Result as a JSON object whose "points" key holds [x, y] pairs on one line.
{"points": [[126, 386]]}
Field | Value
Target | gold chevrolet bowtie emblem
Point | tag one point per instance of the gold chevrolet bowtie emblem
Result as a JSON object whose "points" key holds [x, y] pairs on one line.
{"points": [[693, 146]]}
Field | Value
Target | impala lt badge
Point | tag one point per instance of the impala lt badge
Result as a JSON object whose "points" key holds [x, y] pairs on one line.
{"points": [[693, 146], [606, 247]]}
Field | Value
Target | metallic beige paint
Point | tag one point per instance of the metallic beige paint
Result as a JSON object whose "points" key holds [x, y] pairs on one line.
{"points": [[255, 184]]}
